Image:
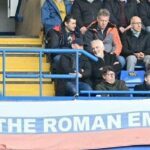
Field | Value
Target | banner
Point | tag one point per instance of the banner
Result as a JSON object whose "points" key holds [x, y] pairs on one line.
{"points": [[74, 124]]}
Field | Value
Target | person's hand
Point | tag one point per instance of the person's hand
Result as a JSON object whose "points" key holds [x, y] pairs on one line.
{"points": [[141, 55], [75, 73], [122, 29], [83, 29], [137, 55]]}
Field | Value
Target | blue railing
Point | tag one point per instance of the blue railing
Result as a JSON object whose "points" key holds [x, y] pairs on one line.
{"points": [[41, 75], [129, 94]]}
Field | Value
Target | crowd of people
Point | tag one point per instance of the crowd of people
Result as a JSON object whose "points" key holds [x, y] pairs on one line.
{"points": [[115, 31]]}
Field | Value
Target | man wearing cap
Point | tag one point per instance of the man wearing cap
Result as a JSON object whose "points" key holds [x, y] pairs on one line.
{"points": [[67, 65]]}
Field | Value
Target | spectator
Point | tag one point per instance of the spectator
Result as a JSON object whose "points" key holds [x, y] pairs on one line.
{"points": [[110, 83], [121, 12], [67, 66], [136, 45], [53, 12], [85, 12], [62, 37], [145, 86], [104, 59], [144, 11], [106, 32]]}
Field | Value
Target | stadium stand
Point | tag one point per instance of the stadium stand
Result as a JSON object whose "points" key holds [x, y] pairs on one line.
{"points": [[26, 63], [33, 118]]}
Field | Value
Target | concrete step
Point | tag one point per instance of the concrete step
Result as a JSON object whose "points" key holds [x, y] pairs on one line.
{"points": [[20, 42], [24, 67], [23, 57], [28, 89]]}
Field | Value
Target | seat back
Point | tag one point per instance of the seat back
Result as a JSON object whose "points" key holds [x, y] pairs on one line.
{"points": [[132, 78]]}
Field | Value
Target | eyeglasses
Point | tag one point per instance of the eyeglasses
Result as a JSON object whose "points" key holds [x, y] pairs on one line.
{"points": [[110, 74], [137, 23]]}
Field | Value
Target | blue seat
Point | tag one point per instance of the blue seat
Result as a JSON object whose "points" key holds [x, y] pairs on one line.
{"points": [[132, 78]]}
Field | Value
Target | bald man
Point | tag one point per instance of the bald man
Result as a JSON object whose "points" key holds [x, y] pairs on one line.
{"points": [[136, 45], [104, 59]]}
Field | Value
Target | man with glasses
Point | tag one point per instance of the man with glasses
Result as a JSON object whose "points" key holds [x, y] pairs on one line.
{"points": [[110, 83], [121, 12], [144, 11], [136, 45]]}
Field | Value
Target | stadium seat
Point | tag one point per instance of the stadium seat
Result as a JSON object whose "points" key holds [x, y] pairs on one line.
{"points": [[132, 78]]}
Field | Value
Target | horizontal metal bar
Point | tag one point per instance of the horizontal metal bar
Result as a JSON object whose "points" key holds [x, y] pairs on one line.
{"points": [[38, 50], [59, 76], [114, 92], [22, 75]]}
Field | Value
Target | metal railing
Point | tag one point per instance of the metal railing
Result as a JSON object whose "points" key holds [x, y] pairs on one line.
{"points": [[41, 75], [119, 93]]}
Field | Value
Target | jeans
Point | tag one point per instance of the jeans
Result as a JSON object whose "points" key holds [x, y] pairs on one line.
{"points": [[132, 61], [71, 88], [55, 64], [122, 61], [147, 28]]}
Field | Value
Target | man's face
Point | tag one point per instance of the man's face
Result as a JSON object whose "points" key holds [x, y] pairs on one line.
{"points": [[97, 48], [109, 77], [103, 21], [71, 25], [136, 24]]}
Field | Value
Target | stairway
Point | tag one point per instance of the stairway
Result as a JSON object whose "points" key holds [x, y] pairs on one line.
{"points": [[24, 63]]}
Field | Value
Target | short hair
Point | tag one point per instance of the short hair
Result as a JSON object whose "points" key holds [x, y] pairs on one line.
{"points": [[68, 18], [131, 20], [106, 69], [147, 73], [103, 12], [100, 42]]}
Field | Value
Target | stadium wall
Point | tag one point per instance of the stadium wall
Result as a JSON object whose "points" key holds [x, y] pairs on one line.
{"points": [[31, 23]]}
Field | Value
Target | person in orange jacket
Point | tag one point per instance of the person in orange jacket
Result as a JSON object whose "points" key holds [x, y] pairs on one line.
{"points": [[105, 31]]}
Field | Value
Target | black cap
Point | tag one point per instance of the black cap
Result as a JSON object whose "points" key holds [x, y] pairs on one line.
{"points": [[78, 41]]}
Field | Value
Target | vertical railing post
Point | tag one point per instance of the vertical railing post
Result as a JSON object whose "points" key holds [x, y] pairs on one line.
{"points": [[77, 71], [4, 73], [40, 70]]}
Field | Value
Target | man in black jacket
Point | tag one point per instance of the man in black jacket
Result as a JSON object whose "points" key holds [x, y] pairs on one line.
{"points": [[144, 11], [136, 45], [110, 83], [62, 37], [67, 65], [104, 59], [85, 11], [121, 12], [145, 86]]}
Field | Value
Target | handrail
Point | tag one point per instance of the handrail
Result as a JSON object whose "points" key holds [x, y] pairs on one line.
{"points": [[41, 75], [119, 92]]}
